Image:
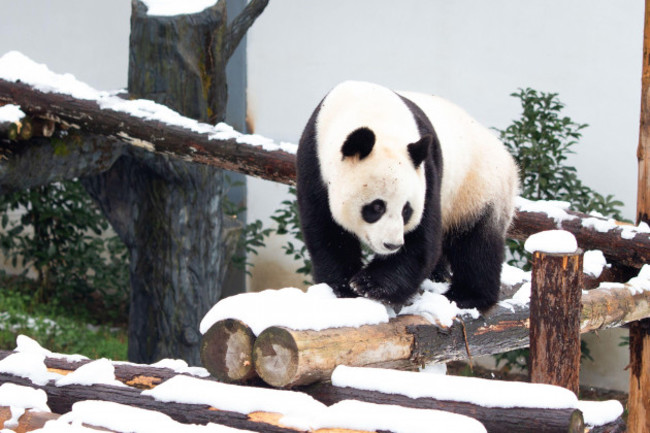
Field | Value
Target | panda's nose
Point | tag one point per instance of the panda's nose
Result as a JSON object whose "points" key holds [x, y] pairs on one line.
{"points": [[392, 247]]}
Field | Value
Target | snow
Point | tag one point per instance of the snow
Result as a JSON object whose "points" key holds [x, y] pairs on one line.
{"points": [[235, 398], [15, 66], [357, 415], [11, 113], [123, 418], [181, 366], [23, 397], [627, 231], [552, 241], [555, 209], [512, 275], [296, 309], [100, 371], [436, 308], [482, 392], [597, 413], [594, 262], [176, 7], [28, 365], [19, 398], [641, 282], [24, 344]]}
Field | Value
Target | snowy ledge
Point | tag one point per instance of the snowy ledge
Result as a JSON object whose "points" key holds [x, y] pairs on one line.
{"points": [[143, 124]]}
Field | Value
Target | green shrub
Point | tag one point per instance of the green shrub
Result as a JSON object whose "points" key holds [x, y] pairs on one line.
{"points": [[61, 236]]}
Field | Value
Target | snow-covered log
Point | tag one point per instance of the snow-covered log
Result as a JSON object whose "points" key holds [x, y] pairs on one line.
{"points": [[30, 420], [495, 419], [191, 142], [61, 398], [621, 243], [284, 357]]}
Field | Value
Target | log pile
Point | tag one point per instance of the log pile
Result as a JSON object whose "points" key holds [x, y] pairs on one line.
{"points": [[139, 377], [284, 357]]}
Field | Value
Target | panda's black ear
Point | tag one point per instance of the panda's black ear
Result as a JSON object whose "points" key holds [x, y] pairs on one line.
{"points": [[359, 142], [420, 149]]}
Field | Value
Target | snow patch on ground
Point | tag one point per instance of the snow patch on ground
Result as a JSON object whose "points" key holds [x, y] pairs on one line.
{"points": [[552, 241]]}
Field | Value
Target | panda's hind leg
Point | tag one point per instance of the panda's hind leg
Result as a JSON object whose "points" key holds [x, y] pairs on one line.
{"points": [[476, 254]]}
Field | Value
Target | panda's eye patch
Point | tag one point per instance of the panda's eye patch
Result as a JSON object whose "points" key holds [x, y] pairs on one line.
{"points": [[373, 211], [407, 212]]}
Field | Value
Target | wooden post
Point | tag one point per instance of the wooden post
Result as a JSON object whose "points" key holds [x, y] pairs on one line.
{"points": [[639, 397], [555, 309]]}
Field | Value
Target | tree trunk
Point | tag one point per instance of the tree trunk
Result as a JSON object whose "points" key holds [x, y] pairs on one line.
{"points": [[168, 212]]}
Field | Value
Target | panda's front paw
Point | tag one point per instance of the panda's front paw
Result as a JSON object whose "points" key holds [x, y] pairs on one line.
{"points": [[342, 289], [366, 285]]}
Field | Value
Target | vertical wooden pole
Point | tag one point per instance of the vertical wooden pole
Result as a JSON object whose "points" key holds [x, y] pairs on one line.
{"points": [[555, 319], [639, 399]]}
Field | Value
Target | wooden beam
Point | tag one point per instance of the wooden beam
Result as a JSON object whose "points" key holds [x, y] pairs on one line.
{"points": [[495, 419], [555, 309], [149, 135]]}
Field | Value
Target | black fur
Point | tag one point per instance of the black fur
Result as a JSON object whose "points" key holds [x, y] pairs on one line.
{"points": [[474, 253], [360, 142]]}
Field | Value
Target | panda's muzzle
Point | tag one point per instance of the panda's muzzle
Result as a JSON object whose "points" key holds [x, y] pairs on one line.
{"points": [[392, 247]]}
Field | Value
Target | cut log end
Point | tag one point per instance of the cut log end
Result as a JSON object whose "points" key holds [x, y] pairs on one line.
{"points": [[576, 422], [275, 357], [227, 351]]}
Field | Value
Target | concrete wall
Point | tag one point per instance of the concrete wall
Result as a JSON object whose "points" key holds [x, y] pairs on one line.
{"points": [[473, 52]]}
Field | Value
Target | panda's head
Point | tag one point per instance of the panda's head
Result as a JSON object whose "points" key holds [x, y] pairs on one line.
{"points": [[377, 190]]}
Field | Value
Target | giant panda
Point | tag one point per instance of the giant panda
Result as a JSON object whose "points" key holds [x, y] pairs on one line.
{"points": [[414, 178]]}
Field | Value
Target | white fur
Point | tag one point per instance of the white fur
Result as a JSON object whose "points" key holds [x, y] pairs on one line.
{"points": [[477, 169], [387, 173]]}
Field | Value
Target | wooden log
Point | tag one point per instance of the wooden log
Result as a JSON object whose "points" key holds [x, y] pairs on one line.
{"points": [[150, 136], [61, 399], [633, 252], [284, 357], [555, 305], [638, 405], [227, 351], [495, 419]]}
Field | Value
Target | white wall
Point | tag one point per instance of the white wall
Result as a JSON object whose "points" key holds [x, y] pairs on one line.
{"points": [[473, 52]]}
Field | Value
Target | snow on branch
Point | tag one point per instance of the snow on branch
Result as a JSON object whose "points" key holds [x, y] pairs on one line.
{"points": [[142, 124]]}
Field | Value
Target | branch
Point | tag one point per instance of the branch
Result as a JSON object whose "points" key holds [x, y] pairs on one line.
{"points": [[242, 23], [213, 146]]}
